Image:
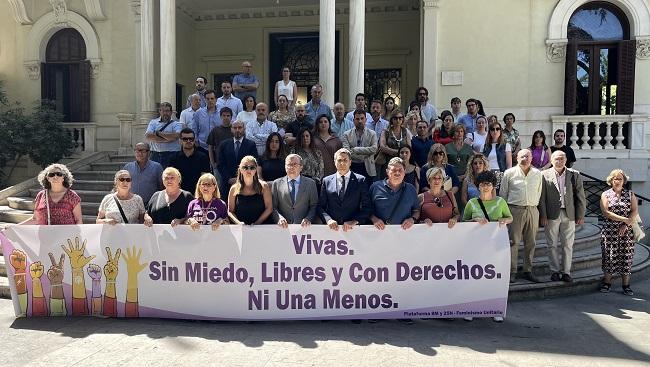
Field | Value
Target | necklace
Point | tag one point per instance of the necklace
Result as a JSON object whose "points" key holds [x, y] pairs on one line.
{"points": [[401, 137]]}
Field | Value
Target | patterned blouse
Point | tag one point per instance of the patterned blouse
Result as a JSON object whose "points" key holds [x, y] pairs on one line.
{"points": [[60, 212], [312, 164], [133, 208], [282, 119]]}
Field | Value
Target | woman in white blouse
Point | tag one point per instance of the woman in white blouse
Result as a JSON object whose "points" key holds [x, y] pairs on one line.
{"points": [[286, 87], [132, 207]]}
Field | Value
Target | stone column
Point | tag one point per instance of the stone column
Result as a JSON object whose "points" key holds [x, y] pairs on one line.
{"points": [[357, 47], [326, 51], [168, 51], [429, 47], [147, 74], [126, 132]]}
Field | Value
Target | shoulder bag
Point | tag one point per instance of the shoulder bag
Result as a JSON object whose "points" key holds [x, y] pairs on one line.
{"points": [[119, 206]]}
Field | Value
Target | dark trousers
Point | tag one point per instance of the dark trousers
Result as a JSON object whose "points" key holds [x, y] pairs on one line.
{"points": [[162, 157]]}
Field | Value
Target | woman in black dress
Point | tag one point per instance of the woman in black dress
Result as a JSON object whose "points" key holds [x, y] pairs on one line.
{"points": [[168, 206], [272, 161], [249, 199]]}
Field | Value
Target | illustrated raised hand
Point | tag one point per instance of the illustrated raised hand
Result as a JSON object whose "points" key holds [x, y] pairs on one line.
{"points": [[133, 268], [110, 270], [94, 271], [55, 272], [132, 260], [112, 265], [55, 275], [76, 254], [18, 260], [36, 270], [39, 308]]}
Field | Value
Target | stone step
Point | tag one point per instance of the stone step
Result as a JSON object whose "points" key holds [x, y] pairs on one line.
{"points": [[94, 175], [122, 158], [11, 215], [586, 237], [582, 259], [584, 281], [107, 166], [90, 196], [27, 203], [93, 185]]}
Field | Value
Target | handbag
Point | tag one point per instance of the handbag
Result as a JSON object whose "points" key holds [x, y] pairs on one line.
{"points": [[638, 229]]}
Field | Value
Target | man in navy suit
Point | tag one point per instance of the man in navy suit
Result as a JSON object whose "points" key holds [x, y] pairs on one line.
{"points": [[231, 151], [344, 198]]}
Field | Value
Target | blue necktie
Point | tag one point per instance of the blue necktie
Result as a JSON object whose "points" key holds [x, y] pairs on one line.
{"points": [[237, 145], [293, 191]]}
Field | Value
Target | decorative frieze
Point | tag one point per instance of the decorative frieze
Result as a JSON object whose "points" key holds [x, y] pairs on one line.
{"points": [[643, 48], [556, 50], [33, 69]]}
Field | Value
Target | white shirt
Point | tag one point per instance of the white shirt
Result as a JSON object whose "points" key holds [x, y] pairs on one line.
{"points": [[287, 89], [339, 181], [492, 157], [187, 116], [246, 117], [259, 133], [478, 140]]}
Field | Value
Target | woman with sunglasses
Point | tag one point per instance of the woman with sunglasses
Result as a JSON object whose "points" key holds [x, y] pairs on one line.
{"points": [[168, 206], [469, 190], [56, 203], [541, 151], [436, 204], [392, 139], [121, 205], [498, 152], [438, 158], [207, 208], [249, 199]]}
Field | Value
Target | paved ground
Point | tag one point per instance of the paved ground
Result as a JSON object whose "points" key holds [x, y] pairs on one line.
{"points": [[589, 330]]}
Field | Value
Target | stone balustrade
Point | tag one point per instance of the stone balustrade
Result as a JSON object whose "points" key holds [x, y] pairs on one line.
{"points": [[84, 135]]}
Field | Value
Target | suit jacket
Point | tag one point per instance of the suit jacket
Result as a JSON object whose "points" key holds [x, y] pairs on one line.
{"points": [[366, 151], [305, 205], [355, 204], [228, 162], [574, 197]]}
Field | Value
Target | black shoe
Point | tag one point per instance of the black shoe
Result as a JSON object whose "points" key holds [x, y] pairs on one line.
{"points": [[567, 278], [555, 277], [604, 287], [529, 276], [627, 290]]}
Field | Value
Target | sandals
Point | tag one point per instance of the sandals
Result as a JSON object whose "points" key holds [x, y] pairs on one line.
{"points": [[627, 290], [605, 287]]}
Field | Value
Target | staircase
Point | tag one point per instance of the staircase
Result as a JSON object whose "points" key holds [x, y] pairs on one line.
{"points": [[94, 179]]}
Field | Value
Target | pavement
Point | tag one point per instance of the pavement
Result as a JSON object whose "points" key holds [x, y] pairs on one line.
{"points": [[588, 330]]}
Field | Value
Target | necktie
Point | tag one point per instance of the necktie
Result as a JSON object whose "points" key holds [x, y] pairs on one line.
{"points": [[342, 191], [237, 145], [293, 191]]}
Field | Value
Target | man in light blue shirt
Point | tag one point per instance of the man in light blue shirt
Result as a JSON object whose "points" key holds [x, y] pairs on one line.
{"points": [[360, 104], [228, 100], [205, 119], [340, 124], [469, 120], [376, 123], [162, 134], [145, 173], [316, 106], [245, 83]]}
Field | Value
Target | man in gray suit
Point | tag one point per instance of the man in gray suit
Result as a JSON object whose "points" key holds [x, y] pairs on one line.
{"points": [[294, 196], [561, 206]]}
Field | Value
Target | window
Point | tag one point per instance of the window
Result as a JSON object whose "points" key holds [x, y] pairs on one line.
{"points": [[382, 83], [599, 73]]}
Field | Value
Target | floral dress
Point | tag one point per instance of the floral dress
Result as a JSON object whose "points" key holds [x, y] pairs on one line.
{"points": [[312, 164], [617, 250]]}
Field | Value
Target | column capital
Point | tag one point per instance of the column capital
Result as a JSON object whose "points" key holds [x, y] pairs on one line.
{"points": [[431, 4]]}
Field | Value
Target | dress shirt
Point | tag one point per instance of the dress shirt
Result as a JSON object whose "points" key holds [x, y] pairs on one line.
{"points": [[297, 184], [350, 116], [560, 180], [339, 181], [339, 127], [521, 189], [259, 133], [187, 116], [377, 126], [313, 113], [203, 123], [171, 146], [232, 102]]}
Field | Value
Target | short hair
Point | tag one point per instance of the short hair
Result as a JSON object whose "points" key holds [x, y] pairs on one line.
{"points": [[292, 156], [417, 91], [614, 173], [559, 131], [205, 80], [117, 175], [315, 86], [172, 170], [435, 171], [458, 127], [343, 151], [68, 180], [455, 99], [446, 113], [376, 101], [237, 122], [142, 143], [167, 105], [226, 81], [187, 130], [209, 91], [359, 111], [210, 178], [195, 95], [486, 177], [299, 106], [395, 161], [471, 100], [509, 114], [360, 95], [225, 110]]}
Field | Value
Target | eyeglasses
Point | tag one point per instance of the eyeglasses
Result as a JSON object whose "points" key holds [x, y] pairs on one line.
{"points": [[495, 129], [124, 179], [187, 139], [438, 202], [57, 174], [249, 168], [438, 152]]}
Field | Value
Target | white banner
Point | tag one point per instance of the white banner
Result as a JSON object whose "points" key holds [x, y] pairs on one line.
{"points": [[258, 273]]}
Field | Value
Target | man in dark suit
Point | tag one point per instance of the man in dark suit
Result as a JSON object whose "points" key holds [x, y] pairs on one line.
{"points": [[344, 198], [231, 151], [295, 197], [561, 206]]}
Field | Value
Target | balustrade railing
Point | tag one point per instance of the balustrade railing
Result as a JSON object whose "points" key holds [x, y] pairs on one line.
{"points": [[84, 135]]}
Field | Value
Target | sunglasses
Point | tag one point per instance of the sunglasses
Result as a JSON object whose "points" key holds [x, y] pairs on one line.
{"points": [[57, 174], [124, 179], [438, 202], [187, 139], [438, 152], [398, 118], [495, 129], [249, 168]]}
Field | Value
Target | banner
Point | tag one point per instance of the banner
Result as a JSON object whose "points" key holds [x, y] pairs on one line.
{"points": [[258, 273]]}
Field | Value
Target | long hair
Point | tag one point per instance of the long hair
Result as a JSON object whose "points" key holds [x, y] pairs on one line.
{"points": [[207, 177], [329, 124], [539, 133], [239, 183], [469, 173], [411, 159], [311, 137], [244, 102], [436, 147], [500, 141], [282, 151]]}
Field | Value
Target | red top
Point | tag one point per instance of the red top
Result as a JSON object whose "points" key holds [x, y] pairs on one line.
{"points": [[438, 139], [438, 210], [60, 212]]}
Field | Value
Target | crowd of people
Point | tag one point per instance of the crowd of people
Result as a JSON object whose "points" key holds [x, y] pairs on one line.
{"points": [[229, 161]]}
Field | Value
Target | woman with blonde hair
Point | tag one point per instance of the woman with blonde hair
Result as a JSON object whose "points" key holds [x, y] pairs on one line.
{"points": [[620, 209], [207, 206], [438, 205], [249, 199], [438, 158], [56, 203], [168, 206], [477, 165], [121, 205]]}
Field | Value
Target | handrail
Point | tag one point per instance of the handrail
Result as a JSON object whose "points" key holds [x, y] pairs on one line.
{"points": [[627, 185]]}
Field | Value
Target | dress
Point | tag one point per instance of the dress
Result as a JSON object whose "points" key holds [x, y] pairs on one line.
{"points": [[540, 158], [411, 177], [272, 169], [617, 250], [437, 209], [248, 208], [327, 150], [207, 213], [132, 208], [60, 212]]}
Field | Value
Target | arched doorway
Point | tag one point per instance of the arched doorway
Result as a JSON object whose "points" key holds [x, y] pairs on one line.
{"points": [[66, 75]]}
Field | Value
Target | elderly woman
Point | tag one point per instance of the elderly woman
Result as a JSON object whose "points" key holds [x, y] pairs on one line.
{"points": [[121, 205], [207, 208], [436, 204], [249, 199], [56, 203], [469, 189], [620, 209], [327, 143], [541, 151], [438, 158], [168, 206], [459, 152], [272, 161], [312, 159]]}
